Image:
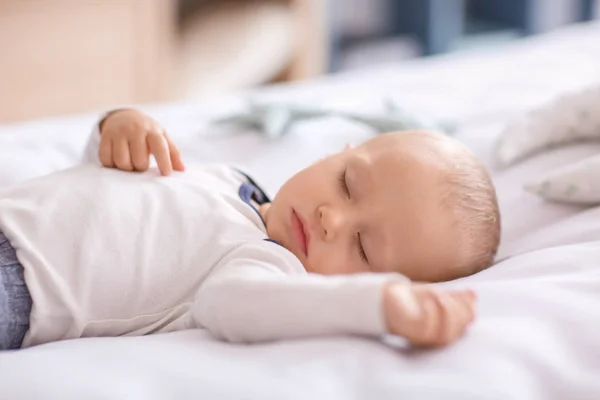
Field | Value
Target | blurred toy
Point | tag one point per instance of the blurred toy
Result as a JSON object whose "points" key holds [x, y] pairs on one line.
{"points": [[276, 119]]}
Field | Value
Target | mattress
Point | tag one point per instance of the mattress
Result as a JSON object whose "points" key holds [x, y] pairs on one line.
{"points": [[537, 331]]}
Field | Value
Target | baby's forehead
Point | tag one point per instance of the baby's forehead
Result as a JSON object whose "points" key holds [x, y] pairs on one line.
{"points": [[388, 140], [405, 143], [398, 159], [408, 181]]}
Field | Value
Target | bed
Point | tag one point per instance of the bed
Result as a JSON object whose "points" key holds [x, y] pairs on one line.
{"points": [[537, 332]]}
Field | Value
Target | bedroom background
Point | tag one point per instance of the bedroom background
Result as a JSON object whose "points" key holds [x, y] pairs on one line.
{"points": [[537, 331], [71, 56]]}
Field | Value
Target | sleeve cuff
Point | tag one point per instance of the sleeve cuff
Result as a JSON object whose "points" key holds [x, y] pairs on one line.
{"points": [[362, 301]]}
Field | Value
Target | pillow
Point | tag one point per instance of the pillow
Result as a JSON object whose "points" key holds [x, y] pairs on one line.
{"points": [[571, 118], [577, 183]]}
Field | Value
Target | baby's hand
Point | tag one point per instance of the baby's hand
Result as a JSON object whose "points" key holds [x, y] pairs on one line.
{"points": [[129, 137], [428, 316]]}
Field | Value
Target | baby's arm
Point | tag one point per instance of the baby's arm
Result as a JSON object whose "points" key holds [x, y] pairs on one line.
{"points": [[255, 295], [125, 139]]}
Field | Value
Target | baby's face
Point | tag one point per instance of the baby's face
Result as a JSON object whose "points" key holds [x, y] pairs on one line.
{"points": [[374, 208]]}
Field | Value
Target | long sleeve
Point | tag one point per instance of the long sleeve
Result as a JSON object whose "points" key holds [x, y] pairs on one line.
{"points": [[571, 118], [90, 154], [259, 293]]}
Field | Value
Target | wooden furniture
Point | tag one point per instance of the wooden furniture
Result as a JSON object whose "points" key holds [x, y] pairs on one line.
{"points": [[64, 56], [312, 51], [67, 56]]}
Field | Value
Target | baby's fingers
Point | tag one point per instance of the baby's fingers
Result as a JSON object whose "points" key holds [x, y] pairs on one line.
{"points": [[458, 313], [121, 155], [468, 300], [431, 321], [139, 154], [105, 153], [160, 149], [175, 155]]}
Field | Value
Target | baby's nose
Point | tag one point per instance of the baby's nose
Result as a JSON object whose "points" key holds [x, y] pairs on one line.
{"points": [[332, 222]]}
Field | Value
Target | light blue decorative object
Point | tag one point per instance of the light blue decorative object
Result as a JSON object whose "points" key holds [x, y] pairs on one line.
{"points": [[276, 119]]}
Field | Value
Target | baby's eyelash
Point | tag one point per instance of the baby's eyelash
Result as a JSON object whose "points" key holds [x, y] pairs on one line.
{"points": [[361, 250], [343, 184]]}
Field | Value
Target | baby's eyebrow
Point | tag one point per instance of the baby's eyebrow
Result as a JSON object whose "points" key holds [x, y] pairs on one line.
{"points": [[359, 171]]}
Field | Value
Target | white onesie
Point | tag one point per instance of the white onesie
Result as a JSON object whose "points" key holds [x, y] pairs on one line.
{"points": [[110, 253]]}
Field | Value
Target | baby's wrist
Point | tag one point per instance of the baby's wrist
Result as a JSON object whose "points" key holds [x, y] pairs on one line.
{"points": [[393, 293]]}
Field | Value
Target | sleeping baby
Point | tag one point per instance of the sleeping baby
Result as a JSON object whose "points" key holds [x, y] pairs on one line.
{"points": [[347, 246]]}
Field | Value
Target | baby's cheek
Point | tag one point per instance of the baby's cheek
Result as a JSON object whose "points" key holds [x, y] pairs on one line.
{"points": [[330, 262]]}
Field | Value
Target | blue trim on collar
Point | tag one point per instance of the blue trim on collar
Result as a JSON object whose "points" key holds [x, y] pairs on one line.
{"points": [[261, 196], [272, 241], [247, 193]]}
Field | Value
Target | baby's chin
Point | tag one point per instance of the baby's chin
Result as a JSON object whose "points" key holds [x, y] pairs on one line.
{"points": [[308, 267], [285, 241]]}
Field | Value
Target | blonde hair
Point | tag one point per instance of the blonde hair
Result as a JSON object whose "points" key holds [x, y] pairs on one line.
{"points": [[468, 192], [471, 196]]}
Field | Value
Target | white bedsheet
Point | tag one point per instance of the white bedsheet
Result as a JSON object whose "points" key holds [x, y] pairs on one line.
{"points": [[537, 333]]}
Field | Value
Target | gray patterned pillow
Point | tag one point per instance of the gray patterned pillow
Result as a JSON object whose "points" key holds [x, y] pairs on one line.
{"points": [[571, 118]]}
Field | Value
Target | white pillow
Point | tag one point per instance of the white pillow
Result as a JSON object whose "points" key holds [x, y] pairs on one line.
{"points": [[571, 118], [577, 183]]}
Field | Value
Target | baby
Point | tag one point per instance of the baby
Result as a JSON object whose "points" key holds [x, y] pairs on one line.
{"points": [[95, 251]]}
